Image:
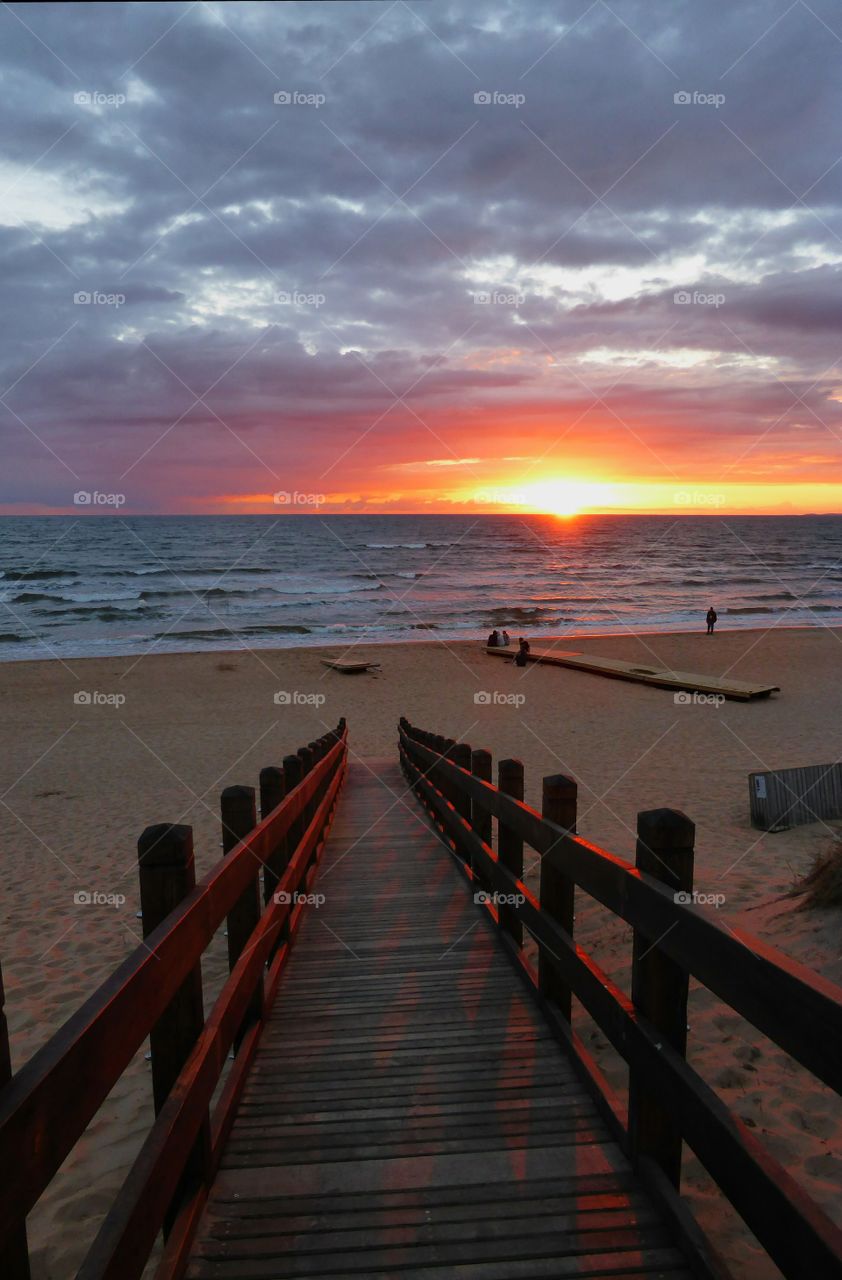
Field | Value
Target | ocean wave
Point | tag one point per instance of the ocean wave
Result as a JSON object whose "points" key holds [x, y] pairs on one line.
{"points": [[313, 585], [515, 614], [106, 613], [806, 608], [34, 575], [408, 546], [232, 592], [271, 628], [90, 612], [168, 593], [98, 597], [218, 633]]}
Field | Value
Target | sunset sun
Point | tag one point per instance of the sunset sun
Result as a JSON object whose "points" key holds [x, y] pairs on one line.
{"points": [[564, 496]]}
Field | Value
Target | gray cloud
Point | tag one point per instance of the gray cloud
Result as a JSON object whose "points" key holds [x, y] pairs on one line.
{"points": [[397, 200]]}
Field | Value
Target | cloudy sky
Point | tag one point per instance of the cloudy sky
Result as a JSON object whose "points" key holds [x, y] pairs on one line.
{"points": [[427, 256]]}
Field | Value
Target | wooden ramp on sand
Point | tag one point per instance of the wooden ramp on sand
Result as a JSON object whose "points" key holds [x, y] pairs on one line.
{"points": [[660, 677]]}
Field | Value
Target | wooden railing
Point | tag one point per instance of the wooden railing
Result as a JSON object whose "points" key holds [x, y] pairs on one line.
{"points": [[668, 1103], [157, 992]]}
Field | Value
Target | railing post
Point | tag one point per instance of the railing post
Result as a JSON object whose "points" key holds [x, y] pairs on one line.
{"points": [[433, 771], [272, 792], [481, 767], [404, 727], [558, 804], [239, 817], [308, 763], [510, 844], [445, 786], [452, 793], [665, 839], [460, 755], [293, 772], [305, 755], [167, 874], [16, 1266]]}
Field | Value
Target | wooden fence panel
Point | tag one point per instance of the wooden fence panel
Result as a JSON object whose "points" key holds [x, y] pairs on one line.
{"points": [[783, 798]]}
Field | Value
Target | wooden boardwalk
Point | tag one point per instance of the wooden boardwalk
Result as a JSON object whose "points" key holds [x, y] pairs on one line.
{"points": [[645, 673], [408, 1112]]}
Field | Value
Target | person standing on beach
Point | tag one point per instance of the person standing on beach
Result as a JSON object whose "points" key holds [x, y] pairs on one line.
{"points": [[711, 620]]}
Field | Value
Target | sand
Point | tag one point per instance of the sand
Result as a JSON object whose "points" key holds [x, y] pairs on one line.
{"points": [[80, 782]]}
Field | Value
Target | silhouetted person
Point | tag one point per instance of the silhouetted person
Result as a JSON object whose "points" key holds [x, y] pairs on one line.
{"points": [[711, 620], [522, 652], [493, 639]]}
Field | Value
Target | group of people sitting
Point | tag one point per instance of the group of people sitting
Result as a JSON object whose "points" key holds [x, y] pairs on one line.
{"points": [[500, 640]]}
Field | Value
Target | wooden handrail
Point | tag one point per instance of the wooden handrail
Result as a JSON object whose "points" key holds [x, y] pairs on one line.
{"points": [[757, 980], [131, 1226], [798, 1235], [49, 1102]]}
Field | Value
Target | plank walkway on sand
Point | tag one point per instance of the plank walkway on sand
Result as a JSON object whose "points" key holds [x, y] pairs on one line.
{"points": [[660, 677], [408, 1112]]}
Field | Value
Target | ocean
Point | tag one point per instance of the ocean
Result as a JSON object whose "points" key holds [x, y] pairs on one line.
{"points": [[112, 584]]}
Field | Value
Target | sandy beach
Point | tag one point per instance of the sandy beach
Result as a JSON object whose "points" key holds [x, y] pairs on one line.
{"points": [[160, 736]]}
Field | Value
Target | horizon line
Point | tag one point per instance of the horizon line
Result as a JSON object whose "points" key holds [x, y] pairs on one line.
{"points": [[624, 513]]}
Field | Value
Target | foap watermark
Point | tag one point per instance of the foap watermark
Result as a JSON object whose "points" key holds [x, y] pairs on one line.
{"points": [[698, 498], [283, 498], [94, 298], [498, 298], [93, 698], [298, 98], [298, 298], [482, 897], [695, 98], [496, 698], [500, 497], [88, 498], [297, 698], [686, 898], [696, 298], [685, 699], [497, 98], [93, 898], [284, 899], [96, 98]]}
